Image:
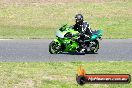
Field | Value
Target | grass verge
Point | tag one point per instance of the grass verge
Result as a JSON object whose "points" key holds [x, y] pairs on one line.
{"points": [[36, 19], [57, 74]]}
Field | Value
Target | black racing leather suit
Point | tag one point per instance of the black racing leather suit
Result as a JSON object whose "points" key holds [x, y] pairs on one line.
{"points": [[83, 29]]}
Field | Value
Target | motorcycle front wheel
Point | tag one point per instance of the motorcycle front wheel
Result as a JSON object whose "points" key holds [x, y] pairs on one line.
{"points": [[54, 48]]}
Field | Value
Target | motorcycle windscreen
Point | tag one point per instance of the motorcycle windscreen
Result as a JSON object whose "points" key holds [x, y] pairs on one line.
{"points": [[60, 34]]}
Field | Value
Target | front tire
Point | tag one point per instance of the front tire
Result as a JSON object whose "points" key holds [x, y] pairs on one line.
{"points": [[54, 48]]}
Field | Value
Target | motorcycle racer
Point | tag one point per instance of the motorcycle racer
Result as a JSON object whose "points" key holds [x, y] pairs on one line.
{"points": [[84, 30], [76, 38]]}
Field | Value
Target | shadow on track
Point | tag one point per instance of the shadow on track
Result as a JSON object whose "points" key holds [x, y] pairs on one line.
{"points": [[77, 53]]}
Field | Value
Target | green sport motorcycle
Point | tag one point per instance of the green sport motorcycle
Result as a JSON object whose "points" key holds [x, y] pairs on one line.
{"points": [[66, 41]]}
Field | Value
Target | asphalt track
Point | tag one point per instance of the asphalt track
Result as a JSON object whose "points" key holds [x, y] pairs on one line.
{"points": [[37, 50]]}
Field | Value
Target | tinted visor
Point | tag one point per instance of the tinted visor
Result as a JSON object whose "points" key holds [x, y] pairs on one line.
{"points": [[79, 19]]}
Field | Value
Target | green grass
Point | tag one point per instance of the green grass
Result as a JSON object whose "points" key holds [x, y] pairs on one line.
{"points": [[27, 20], [58, 74]]}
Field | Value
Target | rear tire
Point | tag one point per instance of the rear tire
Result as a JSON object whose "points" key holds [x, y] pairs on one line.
{"points": [[54, 48], [94, 48]]}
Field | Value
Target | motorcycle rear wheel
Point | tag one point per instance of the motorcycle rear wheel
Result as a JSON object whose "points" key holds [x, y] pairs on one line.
{"points": [[94, 48]]}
